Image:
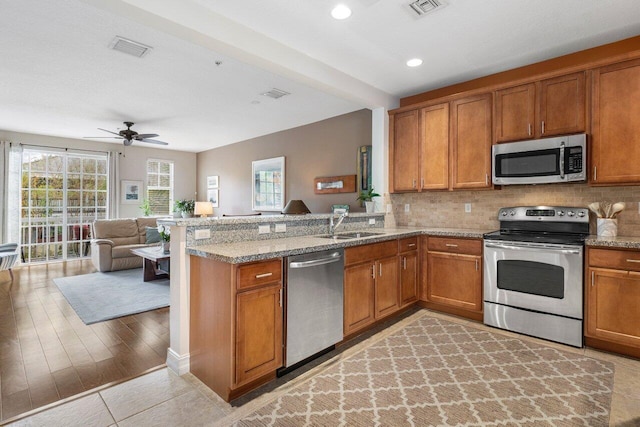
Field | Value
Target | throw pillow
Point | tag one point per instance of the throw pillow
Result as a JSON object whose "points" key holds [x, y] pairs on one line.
{"points": [[153, 235]]}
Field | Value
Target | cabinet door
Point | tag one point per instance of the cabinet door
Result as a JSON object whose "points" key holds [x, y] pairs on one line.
{"points": [[258, 333], [455, 280], [386, 293], [615, 149], [405, 151], [359, 293], [471, 142], [408, 277], [515, 113], [613, 298], [562, 105], [434, 147]]}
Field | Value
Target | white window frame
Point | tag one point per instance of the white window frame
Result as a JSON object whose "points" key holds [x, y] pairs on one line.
{"points": [[158, 187]]}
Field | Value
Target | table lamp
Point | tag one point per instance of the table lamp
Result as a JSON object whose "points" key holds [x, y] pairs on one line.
{"points": [[203, 209]]}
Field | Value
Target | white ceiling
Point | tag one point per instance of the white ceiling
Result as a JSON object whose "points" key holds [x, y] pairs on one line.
{"points": [[58, 77]]}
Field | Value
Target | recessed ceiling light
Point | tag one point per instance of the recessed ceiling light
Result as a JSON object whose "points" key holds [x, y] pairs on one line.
{"points": [[415, 62], [341, 12]]}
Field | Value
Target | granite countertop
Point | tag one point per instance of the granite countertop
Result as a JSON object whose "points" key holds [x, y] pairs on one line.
{"points": [[620, 242], [249, 251]]}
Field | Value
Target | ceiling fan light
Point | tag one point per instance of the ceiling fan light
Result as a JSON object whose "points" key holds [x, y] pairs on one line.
{"points": [[414, 62], [341, 12]]}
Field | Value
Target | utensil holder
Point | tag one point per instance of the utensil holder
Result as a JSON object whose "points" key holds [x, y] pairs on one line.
{"points": [[607, 227]]}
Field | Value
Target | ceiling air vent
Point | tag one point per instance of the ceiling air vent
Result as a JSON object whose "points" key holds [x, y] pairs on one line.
{"points": [[276, 93], [129, 46], [422, 7]]}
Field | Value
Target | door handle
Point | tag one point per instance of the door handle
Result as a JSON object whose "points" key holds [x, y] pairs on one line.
{"points": [[529, 129], [380, 270], [593, 279], [404, 262], [451, 245], [542, 128], [263, 275], [633, 260], [595, 173], [476, 264], [373, 271]]}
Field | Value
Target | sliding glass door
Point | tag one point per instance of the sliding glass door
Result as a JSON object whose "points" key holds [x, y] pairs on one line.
{"points": [[62, 194]]}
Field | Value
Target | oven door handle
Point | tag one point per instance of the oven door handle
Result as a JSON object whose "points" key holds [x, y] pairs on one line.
{"points": [[533, 248]]}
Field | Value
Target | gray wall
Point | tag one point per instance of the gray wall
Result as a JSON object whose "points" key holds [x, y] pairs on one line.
{"points": [[325, 148], [132, 162]]}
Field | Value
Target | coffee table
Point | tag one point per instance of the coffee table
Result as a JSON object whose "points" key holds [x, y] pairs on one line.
{"points": [[156, 263]]}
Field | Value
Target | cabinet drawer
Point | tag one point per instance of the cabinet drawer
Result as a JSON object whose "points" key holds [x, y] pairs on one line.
{"points": [[455, 245], [358, 254], [408, 244], [610, 258], [259, 273]]}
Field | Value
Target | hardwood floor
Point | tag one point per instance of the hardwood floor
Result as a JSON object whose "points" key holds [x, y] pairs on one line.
{"points": [[47, 353]]}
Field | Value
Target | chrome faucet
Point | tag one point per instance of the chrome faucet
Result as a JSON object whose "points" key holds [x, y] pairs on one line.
{"points": [[332, 226]]}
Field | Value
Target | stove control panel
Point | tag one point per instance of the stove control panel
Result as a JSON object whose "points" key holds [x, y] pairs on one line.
{"points": [[544, 213]]}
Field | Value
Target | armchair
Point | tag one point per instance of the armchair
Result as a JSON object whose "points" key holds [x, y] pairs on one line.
{"points": [[8, 257]]}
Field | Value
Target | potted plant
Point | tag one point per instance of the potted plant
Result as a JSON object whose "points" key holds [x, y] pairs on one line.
{"points": [[165, 235], [186, 207], [367, 198], [146, 207]]}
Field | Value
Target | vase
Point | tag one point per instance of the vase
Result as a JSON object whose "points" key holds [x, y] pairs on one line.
{"points": [[369, 206], [186, 214], [607, 227], [166, 247]]}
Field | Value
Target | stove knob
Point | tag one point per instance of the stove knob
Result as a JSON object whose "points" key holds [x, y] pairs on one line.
{"points": [[571, 213], [581, 214], [560, 213], [504, 213], [512, 213]]}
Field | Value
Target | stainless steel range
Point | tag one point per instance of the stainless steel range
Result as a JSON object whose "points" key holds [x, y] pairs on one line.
{"points": [[533, 272]]}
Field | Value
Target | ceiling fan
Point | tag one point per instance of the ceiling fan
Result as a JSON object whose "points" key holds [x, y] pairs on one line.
{"points": [[129, 136]]}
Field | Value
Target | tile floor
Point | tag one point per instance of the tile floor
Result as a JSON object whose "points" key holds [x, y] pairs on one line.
{"points": [[163, 398]]}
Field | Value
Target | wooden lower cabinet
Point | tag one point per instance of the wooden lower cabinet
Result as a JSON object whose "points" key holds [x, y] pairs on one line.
{"points": [[371, 287], [612, 300], [454, 276], [236, 319], [408, 265]]}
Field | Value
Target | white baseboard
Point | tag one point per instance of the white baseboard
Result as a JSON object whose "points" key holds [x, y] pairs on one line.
{"points": [[177, 363]]}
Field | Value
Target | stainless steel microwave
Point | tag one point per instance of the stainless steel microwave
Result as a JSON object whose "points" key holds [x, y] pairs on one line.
{"points": [[540, 161]]}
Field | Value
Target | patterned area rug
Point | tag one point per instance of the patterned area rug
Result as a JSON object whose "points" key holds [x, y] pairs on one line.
{"points": [[435, 372]]}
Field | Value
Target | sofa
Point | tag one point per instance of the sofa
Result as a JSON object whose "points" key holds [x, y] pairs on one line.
{"points": [[113, 240]]}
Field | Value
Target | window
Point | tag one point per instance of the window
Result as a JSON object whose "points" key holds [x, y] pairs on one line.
{"points": [[160, 186]]}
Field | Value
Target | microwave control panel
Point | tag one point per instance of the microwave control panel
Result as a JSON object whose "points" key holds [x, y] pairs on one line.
{"points": [[573, 160]]}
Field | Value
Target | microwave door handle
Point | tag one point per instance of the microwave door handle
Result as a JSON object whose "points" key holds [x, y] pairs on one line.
{"points": [[561, 160]]}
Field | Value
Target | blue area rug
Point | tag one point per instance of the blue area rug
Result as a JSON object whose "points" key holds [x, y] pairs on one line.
{"points": [[97, 297]]}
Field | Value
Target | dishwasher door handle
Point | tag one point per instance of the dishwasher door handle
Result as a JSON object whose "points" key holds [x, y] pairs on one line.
{"points": [[334, 257]]}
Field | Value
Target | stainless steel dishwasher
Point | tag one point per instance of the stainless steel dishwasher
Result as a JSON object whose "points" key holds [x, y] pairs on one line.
{"points": [[314, 304]]}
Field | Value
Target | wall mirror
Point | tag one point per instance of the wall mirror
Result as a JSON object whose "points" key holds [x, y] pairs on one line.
{"points": [[268, 184]]}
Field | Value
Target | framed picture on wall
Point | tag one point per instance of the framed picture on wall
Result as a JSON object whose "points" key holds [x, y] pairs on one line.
{"points": [[131, 192], [212, 181], [268, 184], [212, 196]]}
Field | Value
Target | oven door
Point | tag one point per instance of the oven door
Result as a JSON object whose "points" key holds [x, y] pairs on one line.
{"points": [[546, 278]]}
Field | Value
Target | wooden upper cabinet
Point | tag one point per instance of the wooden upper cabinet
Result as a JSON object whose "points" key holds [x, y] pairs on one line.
{"points": [[555, 106], [562, 108], [405, 162], [471, 138], [515, 113], [615, 148], [434, 147]]}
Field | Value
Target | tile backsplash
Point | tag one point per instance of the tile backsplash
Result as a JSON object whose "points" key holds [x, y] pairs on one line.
{"points": [[447, 208]]}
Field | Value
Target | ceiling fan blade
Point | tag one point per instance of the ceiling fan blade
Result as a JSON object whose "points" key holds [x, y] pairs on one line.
{"points": [[108, 137], [141, 136], [154, 141], [104, 130]]}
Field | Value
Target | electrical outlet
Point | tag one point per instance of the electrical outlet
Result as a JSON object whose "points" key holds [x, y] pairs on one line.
{"points": [[264, 229], [407, 208], [281, 228], [372, 221], [467, 207], [389, 208], [203, 234]]}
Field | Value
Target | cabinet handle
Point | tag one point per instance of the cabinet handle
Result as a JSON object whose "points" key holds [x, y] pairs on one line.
{"points": [[595, 173], [380, 270], [451, 245], [411, 245], [280, 297], [633, 260], [486, 179], [593, 279], [529, 129], [404, 262], [263, 275], [542, 128], [373, 271], [421, 182], [476, 264], [414, 183]]}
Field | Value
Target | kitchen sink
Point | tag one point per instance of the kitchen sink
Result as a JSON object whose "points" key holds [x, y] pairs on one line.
{"points": [[350, 235]]}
